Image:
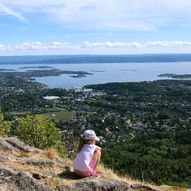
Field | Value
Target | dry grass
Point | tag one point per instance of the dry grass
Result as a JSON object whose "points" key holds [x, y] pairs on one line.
{"points": [[51, 154], [53, 182], [23, 155], [106, 172], [173, 188]]}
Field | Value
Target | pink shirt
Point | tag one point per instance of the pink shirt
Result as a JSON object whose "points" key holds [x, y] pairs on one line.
{"points": [[84, 157]]}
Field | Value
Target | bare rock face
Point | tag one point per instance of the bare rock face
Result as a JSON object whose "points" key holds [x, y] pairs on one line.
{"points": [[5, 146], [20, 145], [24, 182], [3, 158], [4, 186], [10, 180], [6, 172], [48, 174], [38, 162], [142, 187], [104, 184]]}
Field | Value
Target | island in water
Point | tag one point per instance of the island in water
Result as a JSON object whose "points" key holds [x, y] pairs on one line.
{"points": [[176, 76], [42, 67]]}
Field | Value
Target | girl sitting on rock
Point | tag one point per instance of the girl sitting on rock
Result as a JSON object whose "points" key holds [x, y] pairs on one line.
{"points": [[88, 155]]}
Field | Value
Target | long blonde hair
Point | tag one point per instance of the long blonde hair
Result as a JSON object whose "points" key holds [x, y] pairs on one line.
{"points": [[81, 143]]}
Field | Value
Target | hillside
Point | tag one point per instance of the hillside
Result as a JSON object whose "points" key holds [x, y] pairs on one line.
{"points": [[144, 130], [24, 168]]}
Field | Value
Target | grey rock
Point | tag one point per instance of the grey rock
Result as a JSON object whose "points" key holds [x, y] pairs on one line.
{"points": [[48, 174], [4, 185], [36, 162], [3, 180], [5, 172], [36, 150], [49, 162], [5, 146], [3, 158], [24, 182], [62, 165], [96, 184], [21, 145], [140, 186]]}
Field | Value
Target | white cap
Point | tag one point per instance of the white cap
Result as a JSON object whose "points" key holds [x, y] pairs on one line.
{"points": [[90, 135]]}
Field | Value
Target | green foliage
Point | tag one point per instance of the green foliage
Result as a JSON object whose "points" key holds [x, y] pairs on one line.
{"points": [[4, 126], [37, 131], [159, 157]]}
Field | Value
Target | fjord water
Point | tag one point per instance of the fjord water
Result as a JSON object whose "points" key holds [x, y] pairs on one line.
{"points": [[113, 72], [102, 72]]}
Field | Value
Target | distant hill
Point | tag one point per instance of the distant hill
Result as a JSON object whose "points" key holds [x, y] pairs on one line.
{"points": [[139, 58]]}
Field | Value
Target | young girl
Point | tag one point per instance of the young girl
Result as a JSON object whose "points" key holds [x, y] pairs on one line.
{"points": [[88, 155]]}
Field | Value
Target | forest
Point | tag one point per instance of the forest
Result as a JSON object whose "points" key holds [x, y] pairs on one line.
{"points": [[159, 157]]}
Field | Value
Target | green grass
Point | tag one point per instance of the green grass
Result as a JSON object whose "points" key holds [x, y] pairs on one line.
{"points": [[100, 92], [50, 112], [61, 115], [18, 113], [49, 109]]}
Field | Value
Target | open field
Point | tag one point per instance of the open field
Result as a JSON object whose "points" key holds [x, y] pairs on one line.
{"points": [[59, 115], [55, 114]]}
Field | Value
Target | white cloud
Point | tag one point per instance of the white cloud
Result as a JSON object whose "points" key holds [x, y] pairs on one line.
{"points": [[40, 46], [135, 45], [2, 47], [6, 10], [169, 43], [87, 44], [62, 45], [87, 47], [105, 14], [30, 45]]}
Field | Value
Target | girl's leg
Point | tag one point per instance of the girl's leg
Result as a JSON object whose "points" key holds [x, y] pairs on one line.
{"points": [[96, 157]]}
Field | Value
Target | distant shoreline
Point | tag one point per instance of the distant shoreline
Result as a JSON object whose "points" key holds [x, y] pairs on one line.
{"points": [[90, 59], [176, 76]]}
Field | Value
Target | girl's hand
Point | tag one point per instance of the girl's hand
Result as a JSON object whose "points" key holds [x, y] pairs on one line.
{"points": [[97, 149]]}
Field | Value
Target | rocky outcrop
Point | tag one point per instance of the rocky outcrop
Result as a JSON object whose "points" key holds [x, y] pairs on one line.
{"points": [[21, 182], [4, 158], [36, 162], [24, 168], [12, 144], [7, 147], [12, 152], [96, 184], [142, 187], [10, 180], [40, 162], [6, 172], [16, 143]]}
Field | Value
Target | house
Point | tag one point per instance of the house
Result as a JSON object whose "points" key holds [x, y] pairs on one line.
{"points": [[51, 97]]}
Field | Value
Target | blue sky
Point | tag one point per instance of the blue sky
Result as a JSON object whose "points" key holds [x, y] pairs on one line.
{"points": [[94, 26]]}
